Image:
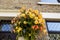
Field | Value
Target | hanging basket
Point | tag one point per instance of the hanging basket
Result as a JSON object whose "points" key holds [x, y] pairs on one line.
{"points": [[28, 24]]}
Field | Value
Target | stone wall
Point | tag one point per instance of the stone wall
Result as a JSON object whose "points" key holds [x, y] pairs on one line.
{"points": [[15, 4]]}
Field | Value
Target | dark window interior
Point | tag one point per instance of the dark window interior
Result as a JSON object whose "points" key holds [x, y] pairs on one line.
{"points": [[5, 30]]}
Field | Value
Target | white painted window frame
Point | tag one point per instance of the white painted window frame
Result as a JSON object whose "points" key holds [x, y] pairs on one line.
{"points": [[8, 14], [47, 15]]}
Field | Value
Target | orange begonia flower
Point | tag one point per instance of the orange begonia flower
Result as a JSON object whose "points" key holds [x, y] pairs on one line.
{"points": [[35, 27]]}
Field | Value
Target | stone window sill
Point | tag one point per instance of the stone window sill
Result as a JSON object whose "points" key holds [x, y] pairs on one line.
{"points": [[9, 14]]}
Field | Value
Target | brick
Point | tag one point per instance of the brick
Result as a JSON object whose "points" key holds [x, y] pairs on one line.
{"points": [[12, 4]]}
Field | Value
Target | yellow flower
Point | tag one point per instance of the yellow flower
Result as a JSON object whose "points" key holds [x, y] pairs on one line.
{"points": [[36, 22], [43, 21], [31, 15], [40, 20], [43, 25], [25, 22], [19, 29], [29, 34], [36, 12], [36, 18], [23, 15], [19, 22], [26, 12], [39, 16], [16, 28]]}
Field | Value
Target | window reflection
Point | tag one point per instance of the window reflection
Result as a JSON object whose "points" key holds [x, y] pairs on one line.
{"points": [[6, 27], [50, 1], [53, 26]]}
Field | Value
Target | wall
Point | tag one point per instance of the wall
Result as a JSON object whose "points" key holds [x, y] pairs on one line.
{"points": [[14, 4]]}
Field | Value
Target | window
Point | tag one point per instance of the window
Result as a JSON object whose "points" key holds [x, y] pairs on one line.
{"points": [[5, 30], [6, 25], [53, 30], [51, 1]]}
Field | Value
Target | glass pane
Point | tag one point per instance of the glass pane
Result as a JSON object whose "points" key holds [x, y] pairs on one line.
{"points": [[6, 27], [53, 26], [49, 1]]}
